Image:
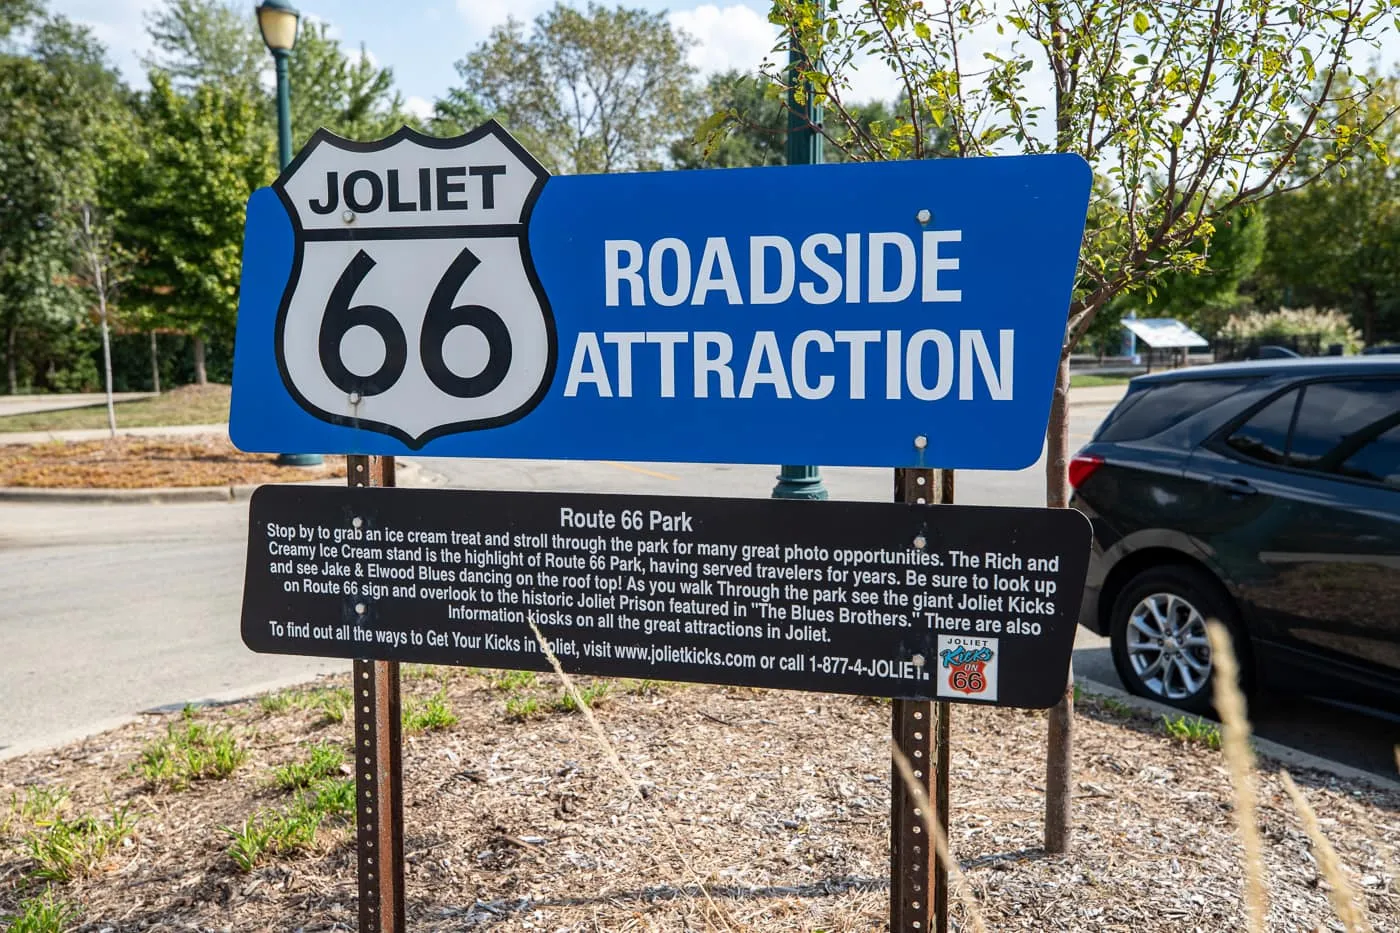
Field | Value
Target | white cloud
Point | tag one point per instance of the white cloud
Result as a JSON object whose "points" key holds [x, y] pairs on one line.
{"points": [[733, 37], [481, 15], [420, 107], [740, 37]]}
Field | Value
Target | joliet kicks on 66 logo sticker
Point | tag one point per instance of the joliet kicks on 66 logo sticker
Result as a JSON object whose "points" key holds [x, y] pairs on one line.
{"points": [[967, 667]]}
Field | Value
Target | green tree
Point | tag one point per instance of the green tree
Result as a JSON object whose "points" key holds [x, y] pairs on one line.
{"points": [[1204, 300], [1337, 244], [1185, 111], [347, 94], [744, 123], [199, 42], [595, 90], [202, 155], [456, 113], [59, 95]]}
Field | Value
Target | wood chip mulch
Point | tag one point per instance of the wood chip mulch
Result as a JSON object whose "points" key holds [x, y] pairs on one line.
{"points": [[127, 462], [777, 803]]}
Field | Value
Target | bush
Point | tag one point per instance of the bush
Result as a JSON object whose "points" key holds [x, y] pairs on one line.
{"points": [[1331, 326]]}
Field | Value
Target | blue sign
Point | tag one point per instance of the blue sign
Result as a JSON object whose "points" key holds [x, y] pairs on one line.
{"points": [[448, 298]]}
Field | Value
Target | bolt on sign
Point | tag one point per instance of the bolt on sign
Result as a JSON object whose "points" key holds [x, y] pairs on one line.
{"points": [[961, 603], [446, 297]]}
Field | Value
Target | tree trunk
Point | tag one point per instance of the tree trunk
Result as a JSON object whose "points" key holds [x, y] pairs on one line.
{"points": [[200, 376], [11, 369], [155, 365], [107, 359], [1059, 769]]}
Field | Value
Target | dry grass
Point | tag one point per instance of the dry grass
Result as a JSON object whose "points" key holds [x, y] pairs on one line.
{"points": [[1239, 758], [148, 462], [1341, 892], [207, 404]]}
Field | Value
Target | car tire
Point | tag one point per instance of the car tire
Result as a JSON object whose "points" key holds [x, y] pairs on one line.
{"points": [[1157, 634]]}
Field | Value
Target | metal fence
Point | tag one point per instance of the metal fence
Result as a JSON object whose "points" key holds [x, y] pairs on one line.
{"points": [[1251, 348]]}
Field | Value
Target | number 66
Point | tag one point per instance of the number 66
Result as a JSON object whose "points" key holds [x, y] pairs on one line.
{"points": [[439, 320]]}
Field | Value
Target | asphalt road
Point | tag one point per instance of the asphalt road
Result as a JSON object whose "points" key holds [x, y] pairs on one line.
{"points": [[111, 610]]}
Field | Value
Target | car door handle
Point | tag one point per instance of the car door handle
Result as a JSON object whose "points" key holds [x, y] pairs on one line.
{"points": [[1234, 487]]}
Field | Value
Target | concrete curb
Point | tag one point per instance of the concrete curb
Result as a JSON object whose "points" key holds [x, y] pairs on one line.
{"points": [[409, 474], [1274, 751]]}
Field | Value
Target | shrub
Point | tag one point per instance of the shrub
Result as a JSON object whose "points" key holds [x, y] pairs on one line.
{"points": [[1333, 326]]}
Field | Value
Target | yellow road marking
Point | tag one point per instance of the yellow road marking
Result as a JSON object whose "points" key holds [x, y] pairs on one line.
{"points": [[641, 470]]}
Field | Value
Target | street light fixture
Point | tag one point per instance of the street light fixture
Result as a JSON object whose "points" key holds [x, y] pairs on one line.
{"points": [[278, 21]]}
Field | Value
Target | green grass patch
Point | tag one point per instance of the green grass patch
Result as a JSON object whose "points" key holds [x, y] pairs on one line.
{"points": [[278, 702], [191, 751], [43, 914], [64, 849], [520, 707], [323, 761], [1192, 730], [185, 405], [1091, 380], [428, 715], [294, 829], [513, 681], [591, 695], [39, 804]]}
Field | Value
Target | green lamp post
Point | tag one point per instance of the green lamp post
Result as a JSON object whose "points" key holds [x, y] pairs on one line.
{"points": [[804, 147], [278, 21]]}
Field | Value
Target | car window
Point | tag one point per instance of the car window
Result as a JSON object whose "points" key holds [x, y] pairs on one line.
{"points": [[1152, 410], [1349, 429], [1264, 437], [1378, 461]]}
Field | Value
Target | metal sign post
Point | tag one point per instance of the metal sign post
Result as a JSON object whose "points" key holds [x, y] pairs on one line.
{"points": [[378, 764], [920, 730]]}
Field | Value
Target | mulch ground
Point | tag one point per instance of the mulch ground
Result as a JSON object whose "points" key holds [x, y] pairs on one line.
{"points": [[776, 802], [148, 462]]}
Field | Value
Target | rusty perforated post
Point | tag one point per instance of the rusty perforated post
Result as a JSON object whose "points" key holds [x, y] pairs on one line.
{"points": [[918, 883], [378, 764]]}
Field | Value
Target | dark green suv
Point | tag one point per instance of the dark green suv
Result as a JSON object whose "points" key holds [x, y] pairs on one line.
{"points": [[1262, 494]]}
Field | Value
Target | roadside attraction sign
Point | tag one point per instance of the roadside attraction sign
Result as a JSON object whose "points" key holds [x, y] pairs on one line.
{"points": [[448, 298]]}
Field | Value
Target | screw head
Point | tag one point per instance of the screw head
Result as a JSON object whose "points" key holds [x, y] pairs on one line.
{"points": [[921, 442], [917, 660], [924, 215], [354, 398], [360, 609], [348, 216], [357, 521], [920, 542]]}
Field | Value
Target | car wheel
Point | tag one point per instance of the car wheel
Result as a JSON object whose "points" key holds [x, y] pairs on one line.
{"points": [[1158, 635]]}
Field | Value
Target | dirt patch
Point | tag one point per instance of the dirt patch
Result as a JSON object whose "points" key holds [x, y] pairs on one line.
{"points": [[776, 802], [148, 462]]}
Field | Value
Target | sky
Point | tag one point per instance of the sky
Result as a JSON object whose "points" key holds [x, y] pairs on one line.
{"points": [[422, 39]]}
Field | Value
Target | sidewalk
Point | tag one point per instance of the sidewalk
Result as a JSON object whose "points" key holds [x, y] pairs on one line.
{"points": [[1102, 396], [1106, 396], [97, 434], [30, 404]]}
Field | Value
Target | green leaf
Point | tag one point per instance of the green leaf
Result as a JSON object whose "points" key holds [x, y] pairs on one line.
{"points": [[1140, 59], [922, 31], [1140, 22]]}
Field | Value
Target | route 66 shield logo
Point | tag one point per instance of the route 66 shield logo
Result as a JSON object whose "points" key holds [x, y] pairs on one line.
{"points": [[413, 307]]}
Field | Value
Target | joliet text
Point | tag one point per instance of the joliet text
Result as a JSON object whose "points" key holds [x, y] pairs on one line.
{"points": [[648, 286]]}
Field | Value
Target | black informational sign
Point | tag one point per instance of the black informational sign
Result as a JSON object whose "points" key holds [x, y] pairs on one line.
{"points": [[955, 602]]}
